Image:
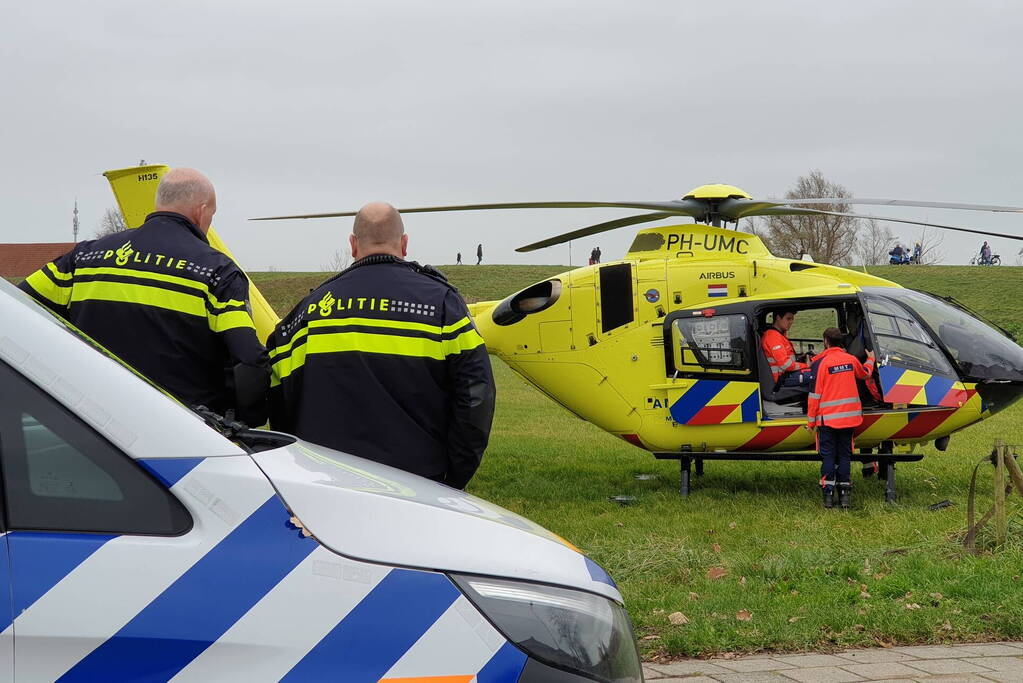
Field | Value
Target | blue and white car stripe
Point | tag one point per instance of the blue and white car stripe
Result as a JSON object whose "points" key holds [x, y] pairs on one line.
{"points": [[203, 603], [116, 582], [380, 629], [279, 630], [461, 623]]}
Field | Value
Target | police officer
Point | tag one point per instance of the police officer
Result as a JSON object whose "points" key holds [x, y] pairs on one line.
{"points": [[383, 361], [163, 300], [835, 411]]}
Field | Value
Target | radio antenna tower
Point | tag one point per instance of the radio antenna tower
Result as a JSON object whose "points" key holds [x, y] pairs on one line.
{"points": [[74, 222]]}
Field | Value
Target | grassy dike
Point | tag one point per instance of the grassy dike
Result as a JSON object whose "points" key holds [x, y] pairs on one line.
{"points": [[752, 540]]}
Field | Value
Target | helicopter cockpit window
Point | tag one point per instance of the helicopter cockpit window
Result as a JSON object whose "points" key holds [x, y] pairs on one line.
{"points": [[901, 339], [715, 343], [981, 351]]}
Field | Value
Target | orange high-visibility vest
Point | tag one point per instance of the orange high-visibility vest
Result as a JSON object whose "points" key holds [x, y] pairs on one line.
{"points": [[835, 400], [781, 357]]}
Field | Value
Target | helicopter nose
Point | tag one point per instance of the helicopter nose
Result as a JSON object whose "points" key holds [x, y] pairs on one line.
{"points": [[999, 395]]}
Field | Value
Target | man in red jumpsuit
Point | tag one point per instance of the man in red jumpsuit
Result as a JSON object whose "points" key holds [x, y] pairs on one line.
{"points": [[781, 357], [834, 410]]}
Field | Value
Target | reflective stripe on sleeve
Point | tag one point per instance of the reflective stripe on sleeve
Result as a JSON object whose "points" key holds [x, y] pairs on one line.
{"points": [[48, 289], [230, 320], [58, 275], [787, 364], [815, 396]]}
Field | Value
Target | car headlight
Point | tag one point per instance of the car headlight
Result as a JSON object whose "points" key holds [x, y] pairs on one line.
{"points": [[568, 629]]}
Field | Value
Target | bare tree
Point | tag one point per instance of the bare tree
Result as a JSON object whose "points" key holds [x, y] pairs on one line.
{"points": [[827, 239], [873, 243], [111, 223], [338, 261], [930, 242]]}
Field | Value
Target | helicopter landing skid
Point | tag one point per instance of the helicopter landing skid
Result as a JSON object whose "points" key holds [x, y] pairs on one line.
{"points": [[885, 460]]}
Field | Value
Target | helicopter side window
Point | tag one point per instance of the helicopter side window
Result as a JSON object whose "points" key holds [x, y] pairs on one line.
{"points": [[715, 343], [902, 340], [616, 305]]}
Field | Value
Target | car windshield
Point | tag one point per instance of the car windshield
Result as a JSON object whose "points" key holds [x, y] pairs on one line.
{"points": [[981, 351]]}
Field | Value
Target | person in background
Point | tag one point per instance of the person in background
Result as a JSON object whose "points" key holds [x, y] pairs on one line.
{"points": [[985, 253], [458, 259], [479, 254]]}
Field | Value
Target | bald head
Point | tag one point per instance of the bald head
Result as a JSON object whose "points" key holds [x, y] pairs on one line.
{"points": [[378, 229], [190, 193]]}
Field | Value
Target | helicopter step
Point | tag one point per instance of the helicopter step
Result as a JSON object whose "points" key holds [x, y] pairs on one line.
{"points": [[886, 461]]}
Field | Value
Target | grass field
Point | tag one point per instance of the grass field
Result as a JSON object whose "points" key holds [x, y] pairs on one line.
{"points": [[750, 558]]}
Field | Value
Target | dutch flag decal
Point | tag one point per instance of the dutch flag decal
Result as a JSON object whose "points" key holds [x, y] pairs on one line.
{"points": [[717, 290]]}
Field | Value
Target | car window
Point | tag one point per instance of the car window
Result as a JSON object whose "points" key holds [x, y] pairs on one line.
{"points": [[60, 475]]}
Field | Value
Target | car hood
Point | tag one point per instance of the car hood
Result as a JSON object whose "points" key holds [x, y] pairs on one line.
{"points": [[375, 513]]}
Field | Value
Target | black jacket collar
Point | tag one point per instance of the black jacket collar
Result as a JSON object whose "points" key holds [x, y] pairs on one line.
{"points": [[177, 218]]}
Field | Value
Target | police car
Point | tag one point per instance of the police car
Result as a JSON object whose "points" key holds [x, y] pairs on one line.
{"points": [[146, 542]]}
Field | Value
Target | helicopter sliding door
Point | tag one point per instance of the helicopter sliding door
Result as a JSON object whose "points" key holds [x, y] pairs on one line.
{"points": [[912, 368]]}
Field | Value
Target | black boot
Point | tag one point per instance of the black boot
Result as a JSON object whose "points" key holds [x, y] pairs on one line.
{"points": [[829, 496], [844, 493]]}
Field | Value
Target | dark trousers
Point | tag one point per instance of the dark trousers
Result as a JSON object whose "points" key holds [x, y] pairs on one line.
{"points": [[835, 447]]}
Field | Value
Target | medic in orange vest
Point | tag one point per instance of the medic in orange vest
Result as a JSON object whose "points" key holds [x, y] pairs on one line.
{"points": [[834, 410], [781, 357]]}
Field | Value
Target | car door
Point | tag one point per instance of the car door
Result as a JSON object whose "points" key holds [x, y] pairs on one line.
{"points": [[112, 576]]}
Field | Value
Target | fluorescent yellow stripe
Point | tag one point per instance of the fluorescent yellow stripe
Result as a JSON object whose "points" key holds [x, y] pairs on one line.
{"points": [[139, 294], [377, 322], [45, 287], [367, 342], [466, 341], [454, 326], [278, 350], [231, 320], [57, 274], [162, 277], [369, 322]]}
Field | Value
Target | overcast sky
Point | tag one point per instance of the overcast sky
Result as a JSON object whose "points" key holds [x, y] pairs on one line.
{"points": [[312, 107]]}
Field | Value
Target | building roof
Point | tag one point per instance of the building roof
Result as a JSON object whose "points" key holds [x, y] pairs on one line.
{"points": [[21, 260]]}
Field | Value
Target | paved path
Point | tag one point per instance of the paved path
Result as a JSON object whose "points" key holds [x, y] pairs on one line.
{"points": [[982, 662]]}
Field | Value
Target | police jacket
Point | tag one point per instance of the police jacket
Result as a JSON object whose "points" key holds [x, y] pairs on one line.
{"points": [[781, 357], [167, 303], [383, 361], [835, 399]]}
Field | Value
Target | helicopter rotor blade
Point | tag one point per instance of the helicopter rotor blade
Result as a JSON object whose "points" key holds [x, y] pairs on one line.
{"points": [[596, 229], [756, 204], [910, 222], [681, 207]]}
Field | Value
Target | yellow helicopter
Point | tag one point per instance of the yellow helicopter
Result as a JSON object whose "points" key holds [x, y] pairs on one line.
{"points": [[662, 348]]}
